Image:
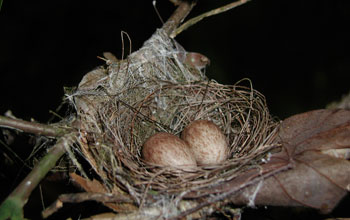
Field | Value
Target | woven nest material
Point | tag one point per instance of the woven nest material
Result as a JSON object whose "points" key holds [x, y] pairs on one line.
{"points": [[154, 90]]}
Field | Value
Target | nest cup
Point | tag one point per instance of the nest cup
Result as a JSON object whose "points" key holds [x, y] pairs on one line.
{"points": [[122, 104]]}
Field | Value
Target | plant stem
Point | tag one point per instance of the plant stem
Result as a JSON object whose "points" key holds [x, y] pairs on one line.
{"points": [[32, 127], [12, 207], [216, 11], [178, 16]]}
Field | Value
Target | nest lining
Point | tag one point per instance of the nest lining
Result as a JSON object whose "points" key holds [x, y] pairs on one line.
{"points": [[153, 90]]}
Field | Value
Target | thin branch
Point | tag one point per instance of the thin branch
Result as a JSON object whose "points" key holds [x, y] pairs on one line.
{"points": [[12, 207], [82, 197], [32, 127], [216, 11], [178, 16]]}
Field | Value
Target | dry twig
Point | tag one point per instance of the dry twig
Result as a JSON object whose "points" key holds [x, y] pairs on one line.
{"points": [[82, 197], [216, 11], [32, 127]]}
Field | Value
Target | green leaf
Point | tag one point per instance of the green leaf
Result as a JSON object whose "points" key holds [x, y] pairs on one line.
{"points": [[0, 4]]}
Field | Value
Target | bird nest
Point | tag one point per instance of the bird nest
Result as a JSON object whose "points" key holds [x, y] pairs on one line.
{"points": [[155, 90]]}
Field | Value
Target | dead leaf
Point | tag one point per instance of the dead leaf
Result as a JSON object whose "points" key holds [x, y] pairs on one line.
{"points": [[316, 180], [95, 186]]}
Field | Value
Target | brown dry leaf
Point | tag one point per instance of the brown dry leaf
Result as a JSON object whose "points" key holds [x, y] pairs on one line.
{"points": [[103, 216], [88, 185], [95, 186], [316, 179]]}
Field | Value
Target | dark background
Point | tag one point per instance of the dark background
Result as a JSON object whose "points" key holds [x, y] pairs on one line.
{"points": [[296, 52]]}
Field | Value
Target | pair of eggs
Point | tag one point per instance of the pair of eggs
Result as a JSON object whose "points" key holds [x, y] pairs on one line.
{"points": [[201, 142]]}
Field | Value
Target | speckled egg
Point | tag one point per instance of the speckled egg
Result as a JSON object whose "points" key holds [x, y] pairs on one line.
{"points": [[164, 149], [206, 141]]}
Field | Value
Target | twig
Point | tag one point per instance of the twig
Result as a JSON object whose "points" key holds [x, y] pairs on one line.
{"points": [[216, 11], [178, 16], [12, 207], [82, 197], [32, 127]]}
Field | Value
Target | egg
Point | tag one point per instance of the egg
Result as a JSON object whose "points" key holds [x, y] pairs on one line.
{"points": [[164, 149], [206, 141]]}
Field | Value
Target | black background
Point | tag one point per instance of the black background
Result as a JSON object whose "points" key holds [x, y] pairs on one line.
{"points": [[296, 52]]}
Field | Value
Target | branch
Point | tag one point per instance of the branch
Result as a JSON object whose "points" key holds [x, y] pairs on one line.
{"points": [[12, 207], [178, 16], [216, 11], [32, 127], [82, 197]]}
